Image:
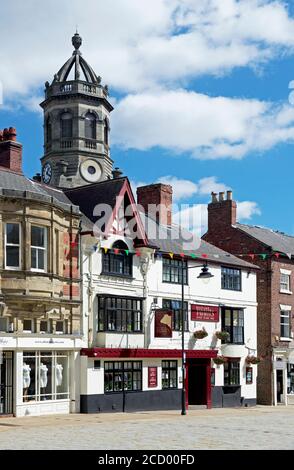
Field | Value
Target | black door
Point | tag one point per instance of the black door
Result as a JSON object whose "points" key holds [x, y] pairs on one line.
{"points": [[279, 385], [6, 383], [197, 385]]}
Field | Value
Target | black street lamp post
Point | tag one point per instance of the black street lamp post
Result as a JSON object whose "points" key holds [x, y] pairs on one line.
{"points": [[205, 275]]}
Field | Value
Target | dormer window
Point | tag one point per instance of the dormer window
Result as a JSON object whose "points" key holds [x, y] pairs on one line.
{"points": [[66, 126], [119, 262], [90, 126]]}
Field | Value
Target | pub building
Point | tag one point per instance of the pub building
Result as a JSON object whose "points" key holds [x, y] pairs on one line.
{"points": [[132, 310], [99, 329]]}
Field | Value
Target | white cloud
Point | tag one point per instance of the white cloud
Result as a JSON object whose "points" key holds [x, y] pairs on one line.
{"points": [[135, 44], [182, 189], [247, 209], [206, 127], [210, 184], [186, 189], [195, 217]]}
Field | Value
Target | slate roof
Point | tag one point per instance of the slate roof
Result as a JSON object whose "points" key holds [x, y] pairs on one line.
{"points": [[176, 240], [16, 185], [87, 197], [275, 240]]}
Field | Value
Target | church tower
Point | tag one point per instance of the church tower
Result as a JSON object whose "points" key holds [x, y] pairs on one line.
{"points": [[76, 125]]}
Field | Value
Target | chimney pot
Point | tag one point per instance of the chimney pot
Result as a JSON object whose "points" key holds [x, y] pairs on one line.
{"points": [[116, 173], [214, 197], [10, 150], [229, 195], [221, 196], [12, 134]]}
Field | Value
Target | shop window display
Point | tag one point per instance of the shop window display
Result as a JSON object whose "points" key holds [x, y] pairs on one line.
{"points": [[45, 376]]}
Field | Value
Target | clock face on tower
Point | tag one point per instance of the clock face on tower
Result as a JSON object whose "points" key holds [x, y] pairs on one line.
{"points": [[47, 173]]}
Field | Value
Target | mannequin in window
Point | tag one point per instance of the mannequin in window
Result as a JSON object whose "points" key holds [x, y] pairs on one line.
{"points": [[59, 370], [26, 373], [43, 375]]}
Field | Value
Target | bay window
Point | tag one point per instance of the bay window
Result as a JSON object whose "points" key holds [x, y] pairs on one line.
{"points": [[12, 246], [38, 248], [120, 314], [233, 323]]}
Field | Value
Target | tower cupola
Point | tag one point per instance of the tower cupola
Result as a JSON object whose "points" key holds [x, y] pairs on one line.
{"points": [[76, 125]]}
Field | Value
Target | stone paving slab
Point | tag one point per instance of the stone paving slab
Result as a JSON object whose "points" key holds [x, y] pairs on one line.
{"points": [[244, 428]]}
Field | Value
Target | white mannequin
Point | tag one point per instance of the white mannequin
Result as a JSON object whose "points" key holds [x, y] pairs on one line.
{"points": [[59, 370], [26, 375], [43, 375]]}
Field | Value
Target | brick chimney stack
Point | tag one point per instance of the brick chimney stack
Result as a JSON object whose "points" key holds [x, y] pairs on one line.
{"points": [[221, 212], [10, 151], [157, 199]]}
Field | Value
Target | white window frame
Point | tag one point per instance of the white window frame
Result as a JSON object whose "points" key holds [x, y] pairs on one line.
{"points": [[39, 248], [12, 268], [286, 274], [285, 313]]}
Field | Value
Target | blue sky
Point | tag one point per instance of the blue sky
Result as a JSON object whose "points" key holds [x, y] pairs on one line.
{"points": [[200, 89]]}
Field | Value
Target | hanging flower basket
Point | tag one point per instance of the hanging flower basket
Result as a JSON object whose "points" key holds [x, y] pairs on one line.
{"points": [[200, 334], [253, 359], [223, 335], [219, 360]]}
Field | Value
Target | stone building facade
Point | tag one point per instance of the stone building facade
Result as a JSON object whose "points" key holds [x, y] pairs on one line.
{"points": [[40, 307], [272, 252]]}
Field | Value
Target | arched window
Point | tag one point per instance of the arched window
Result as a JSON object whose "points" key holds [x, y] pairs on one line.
{"points": [[118, 262], [90, 126], [48, 130], [66, 125], [106, 131]]}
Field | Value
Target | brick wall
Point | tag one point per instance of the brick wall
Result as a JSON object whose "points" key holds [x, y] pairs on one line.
{"points": [[156, 200], [222, 233]]}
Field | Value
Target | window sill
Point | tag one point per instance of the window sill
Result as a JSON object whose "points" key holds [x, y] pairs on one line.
{"points": [[233, 290], [175, 283], [288, 292], [288, 340], [121, 276], [121, 332]]}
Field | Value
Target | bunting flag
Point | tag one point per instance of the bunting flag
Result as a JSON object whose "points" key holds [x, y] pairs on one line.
{"points": [[159, 254]]}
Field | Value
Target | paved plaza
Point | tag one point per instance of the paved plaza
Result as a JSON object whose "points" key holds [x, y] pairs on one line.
{"points": [[245, 428]]}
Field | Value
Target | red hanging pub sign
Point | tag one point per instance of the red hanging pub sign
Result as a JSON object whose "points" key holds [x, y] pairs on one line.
{"points": [[204, 313]]}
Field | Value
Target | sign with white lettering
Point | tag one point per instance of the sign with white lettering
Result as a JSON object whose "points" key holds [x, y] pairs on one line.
{"points": [[204, 313]]}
